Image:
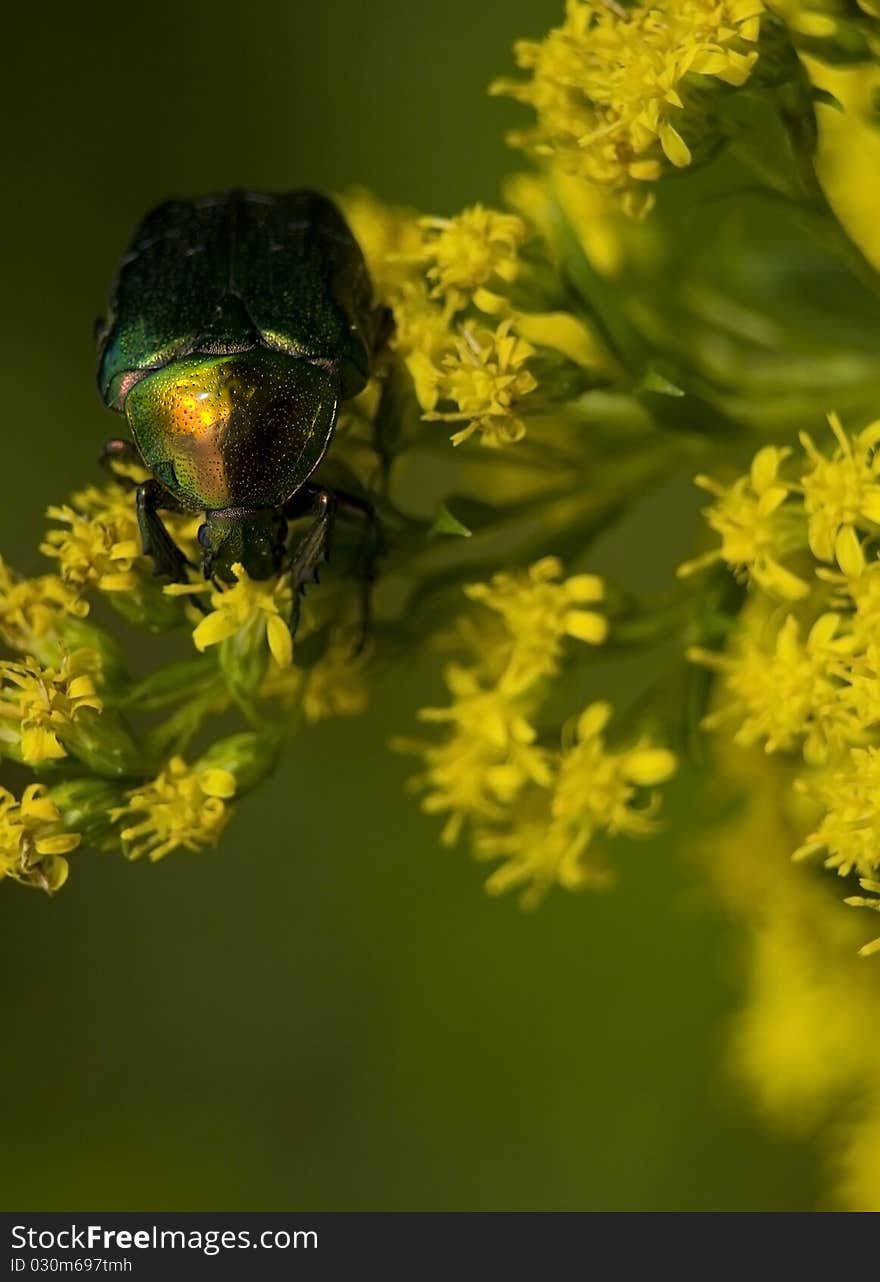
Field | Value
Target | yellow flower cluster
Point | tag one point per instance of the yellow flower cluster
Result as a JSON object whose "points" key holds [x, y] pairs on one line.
{"points": [[622, 92], [538, 809], [442, 278], [801, 672]]}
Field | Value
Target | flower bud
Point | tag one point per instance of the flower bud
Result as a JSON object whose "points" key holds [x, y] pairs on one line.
{"points": [[249, 758]]}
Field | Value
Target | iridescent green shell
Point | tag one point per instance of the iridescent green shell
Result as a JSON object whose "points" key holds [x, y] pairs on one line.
{"points": [[237, 324]]}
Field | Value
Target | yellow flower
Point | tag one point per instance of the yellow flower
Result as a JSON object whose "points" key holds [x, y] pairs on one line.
{"points": [[485, 378], [32, 843], [31, 608], [183, 806], [850, 798], [611, 87], [246, 610], [37, 705], [99, 542], [335, 685], [539, 613], [488, 757], [466, 253], [842, 491], [756, 530], [784, 691], [872, 901]]}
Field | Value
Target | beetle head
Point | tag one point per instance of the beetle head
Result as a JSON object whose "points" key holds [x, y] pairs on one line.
{"points": [[252, 537]]}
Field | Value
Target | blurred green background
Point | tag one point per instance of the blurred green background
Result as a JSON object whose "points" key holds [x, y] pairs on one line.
{"points": [[326, 1013]]}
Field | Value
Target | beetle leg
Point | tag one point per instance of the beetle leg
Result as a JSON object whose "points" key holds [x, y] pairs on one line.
{"points": [[304, 559], [118, 455], [168, 560]]}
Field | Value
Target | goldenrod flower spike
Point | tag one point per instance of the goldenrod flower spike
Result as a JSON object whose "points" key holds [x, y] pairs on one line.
{"points": [[182, 807]]}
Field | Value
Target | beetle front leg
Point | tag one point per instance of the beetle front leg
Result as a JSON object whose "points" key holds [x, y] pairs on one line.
{"points": [[305, 558], [168, 560]]}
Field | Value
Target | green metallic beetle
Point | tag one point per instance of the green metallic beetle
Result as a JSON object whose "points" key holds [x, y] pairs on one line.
{"points": [[238, 324]]}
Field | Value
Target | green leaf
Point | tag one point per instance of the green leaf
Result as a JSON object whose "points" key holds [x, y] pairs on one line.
{"points": [[654, 381], [445, 523]]}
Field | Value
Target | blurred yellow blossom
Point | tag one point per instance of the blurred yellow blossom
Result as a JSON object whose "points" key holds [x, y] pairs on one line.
{"points": [[335, 685], [389, 236]]}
